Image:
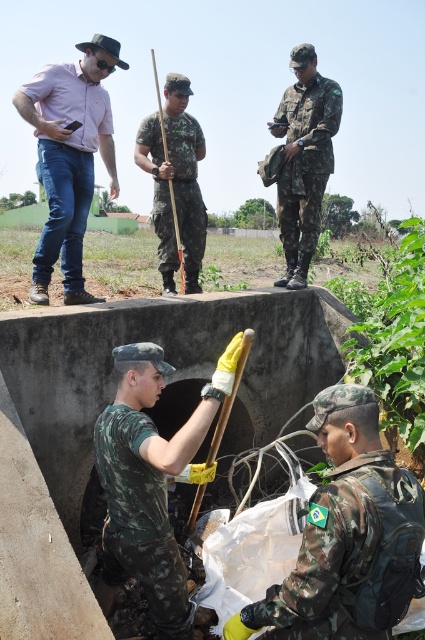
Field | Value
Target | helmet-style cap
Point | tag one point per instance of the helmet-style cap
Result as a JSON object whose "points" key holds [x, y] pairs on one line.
{"points": [[340, 396], [302, 55], [177, 82], [143, 351]]}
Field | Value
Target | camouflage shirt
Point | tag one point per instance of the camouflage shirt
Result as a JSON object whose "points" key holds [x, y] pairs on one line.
{"points": [[344, 538], [136, 492], [184, 136], [314, 115]]}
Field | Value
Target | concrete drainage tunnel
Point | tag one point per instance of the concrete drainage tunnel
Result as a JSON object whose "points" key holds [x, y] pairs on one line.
{"points": [[56, 379]]}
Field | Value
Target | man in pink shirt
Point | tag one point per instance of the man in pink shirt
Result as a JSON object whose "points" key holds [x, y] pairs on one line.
{"points": [[71, 113]]}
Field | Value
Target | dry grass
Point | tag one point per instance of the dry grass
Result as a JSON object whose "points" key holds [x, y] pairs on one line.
{"points": [[120, 267]]}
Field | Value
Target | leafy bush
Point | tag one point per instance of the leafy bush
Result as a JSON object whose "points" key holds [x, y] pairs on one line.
{"points": [[393, 361], [324, 243], [354, 295]]}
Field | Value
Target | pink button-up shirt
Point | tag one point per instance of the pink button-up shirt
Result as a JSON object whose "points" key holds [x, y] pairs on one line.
{"points": [[61, 91]]}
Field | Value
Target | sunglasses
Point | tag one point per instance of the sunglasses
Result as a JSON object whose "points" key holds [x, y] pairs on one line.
{"points": [[299, 69], [101, 64]]}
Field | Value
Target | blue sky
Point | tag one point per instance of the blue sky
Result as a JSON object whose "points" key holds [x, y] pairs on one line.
{"points": [[237, 55]]}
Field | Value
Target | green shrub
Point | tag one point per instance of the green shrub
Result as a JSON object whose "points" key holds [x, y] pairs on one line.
{"points": [[393, 361]]}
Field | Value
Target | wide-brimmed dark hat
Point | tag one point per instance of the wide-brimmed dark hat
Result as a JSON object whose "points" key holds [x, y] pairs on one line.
{"points": [[109, 45]]}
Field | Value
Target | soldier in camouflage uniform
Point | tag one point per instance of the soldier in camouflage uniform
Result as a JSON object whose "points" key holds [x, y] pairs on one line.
{"points": [[342, 534], [186, 147], [312, 110], [134, 464]]}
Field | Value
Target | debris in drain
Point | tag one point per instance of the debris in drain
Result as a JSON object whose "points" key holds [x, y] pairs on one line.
{"points": [[128, 619]]}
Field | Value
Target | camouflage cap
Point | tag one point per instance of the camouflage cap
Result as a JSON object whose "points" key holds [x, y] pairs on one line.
{"points": [[143, 351], [340, 396], [302, 55], [177, 82]]}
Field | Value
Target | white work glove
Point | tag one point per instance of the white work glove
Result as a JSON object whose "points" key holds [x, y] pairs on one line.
{"points": [[197, 474], [224, 376]]}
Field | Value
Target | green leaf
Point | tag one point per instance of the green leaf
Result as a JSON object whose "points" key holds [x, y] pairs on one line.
{"points": [[417, 435]]}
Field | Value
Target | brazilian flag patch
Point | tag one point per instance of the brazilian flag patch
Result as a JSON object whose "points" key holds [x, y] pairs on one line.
{"points": [[337, 92], [318, 515]]}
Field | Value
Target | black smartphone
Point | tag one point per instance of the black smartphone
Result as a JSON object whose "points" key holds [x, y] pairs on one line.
{"points": [[73, 126], [279, 124]]}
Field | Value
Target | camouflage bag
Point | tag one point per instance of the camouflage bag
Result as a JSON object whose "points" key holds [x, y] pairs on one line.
{"points": [[380, 599], [270, 168]]}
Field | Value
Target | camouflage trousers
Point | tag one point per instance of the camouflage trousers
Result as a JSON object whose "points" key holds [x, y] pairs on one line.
{"points": [[192, 219], [302, 216], [162, 573]]}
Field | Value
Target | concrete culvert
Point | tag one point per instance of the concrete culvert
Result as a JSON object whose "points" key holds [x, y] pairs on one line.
{"points": [[55, 381]]}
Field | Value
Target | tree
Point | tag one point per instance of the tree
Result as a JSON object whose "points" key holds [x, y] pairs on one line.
{"points": [[256, 213], [338, 214], [106, 203], [395, 225], [15, 200], [29, 198]]}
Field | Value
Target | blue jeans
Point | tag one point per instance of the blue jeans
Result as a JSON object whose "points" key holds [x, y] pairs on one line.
{"points": [[68, 179]]}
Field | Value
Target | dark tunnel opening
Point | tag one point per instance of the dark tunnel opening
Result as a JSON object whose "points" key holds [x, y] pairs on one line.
{"points": [[177, 403]]}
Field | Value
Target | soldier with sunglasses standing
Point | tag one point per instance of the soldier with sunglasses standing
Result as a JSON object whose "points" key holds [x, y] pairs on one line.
{"points": [[71, 113], [309, 115]]}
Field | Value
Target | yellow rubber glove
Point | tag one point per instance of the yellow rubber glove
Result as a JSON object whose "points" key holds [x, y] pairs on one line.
{"points": [[197, 474], [229, 360], [234, 629], [224, 375]]}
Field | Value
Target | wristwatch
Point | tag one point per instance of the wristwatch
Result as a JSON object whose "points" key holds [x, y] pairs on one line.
{"points": [[155, 171], [211, 392], [247, 618], [300, 143]]}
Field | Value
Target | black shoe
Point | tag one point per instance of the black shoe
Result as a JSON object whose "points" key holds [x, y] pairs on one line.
{"points": [[81, 297], [169, 292], [191, 284], [39, 294], [291, 264], [192, 287], [284, 279], [299, 281]]}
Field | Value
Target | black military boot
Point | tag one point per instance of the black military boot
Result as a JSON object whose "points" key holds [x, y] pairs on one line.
{"points": [[191, 284], [299, 279], [169, 289], [291, 263]]}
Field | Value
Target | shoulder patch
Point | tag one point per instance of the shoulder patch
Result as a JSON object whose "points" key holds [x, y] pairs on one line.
{"points": [[318, 515], [336, 92]]}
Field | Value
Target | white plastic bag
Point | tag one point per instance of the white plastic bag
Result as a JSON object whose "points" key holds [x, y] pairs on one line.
{"points": [[256, 549]]}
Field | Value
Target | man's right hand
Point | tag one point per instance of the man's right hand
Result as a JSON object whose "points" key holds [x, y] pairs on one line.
{"points": [[54, 130], [277, 132], [166, 171]]}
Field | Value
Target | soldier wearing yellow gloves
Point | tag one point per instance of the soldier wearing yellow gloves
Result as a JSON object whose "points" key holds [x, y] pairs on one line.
{"points": [[134, 462]]}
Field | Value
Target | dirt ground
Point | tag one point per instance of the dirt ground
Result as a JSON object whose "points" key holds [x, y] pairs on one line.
{"points": [[14, 290]]}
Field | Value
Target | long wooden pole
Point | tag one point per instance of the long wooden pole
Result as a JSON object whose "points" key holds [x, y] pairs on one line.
{"points": [[248, 337], [170, 182]]}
